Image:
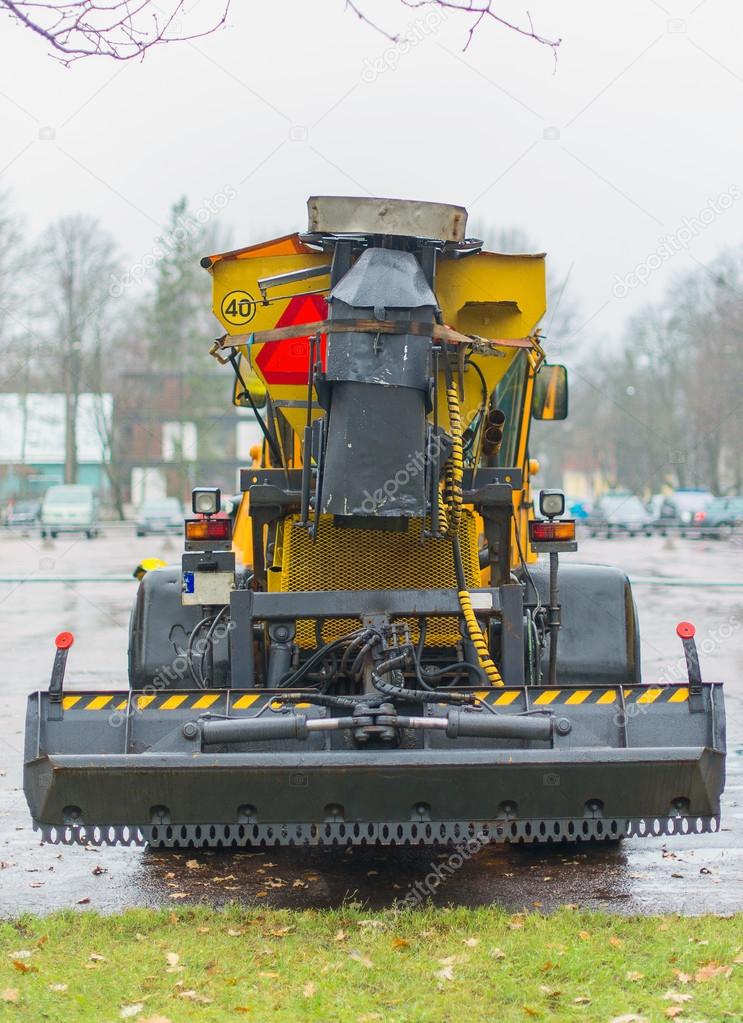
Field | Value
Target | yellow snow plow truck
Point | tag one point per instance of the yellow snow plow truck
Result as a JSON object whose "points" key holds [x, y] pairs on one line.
{"points": [[371, 650]]}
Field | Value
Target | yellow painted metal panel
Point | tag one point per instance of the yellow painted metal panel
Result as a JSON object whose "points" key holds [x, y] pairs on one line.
{"points": [[680, 696], [69, 701], [607, 697], [506, 698], [145, 701]]}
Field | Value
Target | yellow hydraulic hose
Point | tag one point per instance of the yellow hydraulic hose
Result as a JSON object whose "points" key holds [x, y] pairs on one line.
{"points": [[453, 502]]}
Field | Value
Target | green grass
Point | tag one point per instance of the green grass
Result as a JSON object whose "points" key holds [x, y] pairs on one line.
{"points": [[420, 965]]}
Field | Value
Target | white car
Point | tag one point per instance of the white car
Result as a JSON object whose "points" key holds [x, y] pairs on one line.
{"points": [[70, 508]]}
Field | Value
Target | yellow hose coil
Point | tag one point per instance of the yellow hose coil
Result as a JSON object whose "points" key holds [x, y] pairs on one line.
{"points": [[450, 514], [454, 465], [478, 640]]}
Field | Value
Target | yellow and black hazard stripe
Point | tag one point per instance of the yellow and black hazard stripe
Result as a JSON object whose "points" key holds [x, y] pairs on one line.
{"points": [[573, 696], [232, 700]]}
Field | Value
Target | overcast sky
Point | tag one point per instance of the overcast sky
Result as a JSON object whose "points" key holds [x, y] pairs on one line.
{"points": [[599, 160]]}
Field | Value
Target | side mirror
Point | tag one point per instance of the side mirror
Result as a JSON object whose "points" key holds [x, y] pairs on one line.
{"points": [[252, 382], [550, 399]]}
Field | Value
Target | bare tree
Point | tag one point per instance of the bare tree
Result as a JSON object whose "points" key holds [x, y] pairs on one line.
{"points": [[126, 29], [79, 258]]}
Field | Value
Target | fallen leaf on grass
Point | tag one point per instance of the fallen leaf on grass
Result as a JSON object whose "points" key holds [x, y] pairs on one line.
{"points": [[673, 1011], [616, 942], [584, 935], [280, 932], [497, 953], [58, 988], [340, 936], [9, 994], [629, 1017], [712, 970], [530, 1011], [681, 977], [128, 1011], [400, 943], [154, 1019], [677, 996], [173, 959], [471, 942], [582, 1000], [359, 957], [369, 1017], [309, 989], [233, 933], [22, 967], [447, 973], [634, 976], [375, 924], [194, 996]]}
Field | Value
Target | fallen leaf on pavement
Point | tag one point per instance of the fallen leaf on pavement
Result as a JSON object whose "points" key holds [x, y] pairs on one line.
{"points": [[194, 865]]}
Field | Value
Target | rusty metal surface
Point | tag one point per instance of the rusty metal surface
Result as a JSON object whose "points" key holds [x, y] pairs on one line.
{"points": [[686, 874]]}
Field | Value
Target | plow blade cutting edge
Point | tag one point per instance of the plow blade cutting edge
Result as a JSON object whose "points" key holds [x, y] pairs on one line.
{"points": [[230, 768]]}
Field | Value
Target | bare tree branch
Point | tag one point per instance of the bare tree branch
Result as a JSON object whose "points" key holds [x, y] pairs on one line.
{"points": [[119, 29], [127, 29]]}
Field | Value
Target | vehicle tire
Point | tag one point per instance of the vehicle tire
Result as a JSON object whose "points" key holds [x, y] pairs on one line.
{"points": [[53, 534], [89, 534], [141, 532], [43, 534]]}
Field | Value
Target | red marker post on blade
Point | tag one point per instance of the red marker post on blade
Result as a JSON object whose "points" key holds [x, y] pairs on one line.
{"points": [[63, 642], [686, 632]]}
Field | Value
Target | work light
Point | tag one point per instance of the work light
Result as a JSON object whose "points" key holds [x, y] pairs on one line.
{"points": [[206, 500], [551, 503]]}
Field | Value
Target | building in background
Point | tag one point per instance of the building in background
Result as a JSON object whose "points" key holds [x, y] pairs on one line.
{"points": [[32, 443], [174, 431]]}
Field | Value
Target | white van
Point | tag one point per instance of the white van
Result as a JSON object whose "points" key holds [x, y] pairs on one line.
{"points": [[70, 509]]}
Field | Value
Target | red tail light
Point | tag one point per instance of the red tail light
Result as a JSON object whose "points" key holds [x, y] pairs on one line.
{"points": [[541, 531], [209, 529], [700, 516]]}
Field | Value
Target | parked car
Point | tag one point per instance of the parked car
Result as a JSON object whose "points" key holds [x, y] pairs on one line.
{"points": [[163, 516], [721, 516], [619, 512], [683, 510], [23, 515], [70, 508]]}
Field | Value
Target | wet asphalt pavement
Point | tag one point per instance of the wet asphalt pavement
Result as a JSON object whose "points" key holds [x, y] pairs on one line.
{"points": [[701, 873]]}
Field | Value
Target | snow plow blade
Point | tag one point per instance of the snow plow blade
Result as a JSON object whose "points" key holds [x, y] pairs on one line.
{"points": [[228, 768]]}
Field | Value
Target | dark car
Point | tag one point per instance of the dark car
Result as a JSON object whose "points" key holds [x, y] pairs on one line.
{"points": [[24, 515], [721, 516], [683, 511], [619, 512], [163, 516]]}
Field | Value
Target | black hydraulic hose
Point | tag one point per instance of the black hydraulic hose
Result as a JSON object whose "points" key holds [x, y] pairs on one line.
{"points": [[270, 440]]}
